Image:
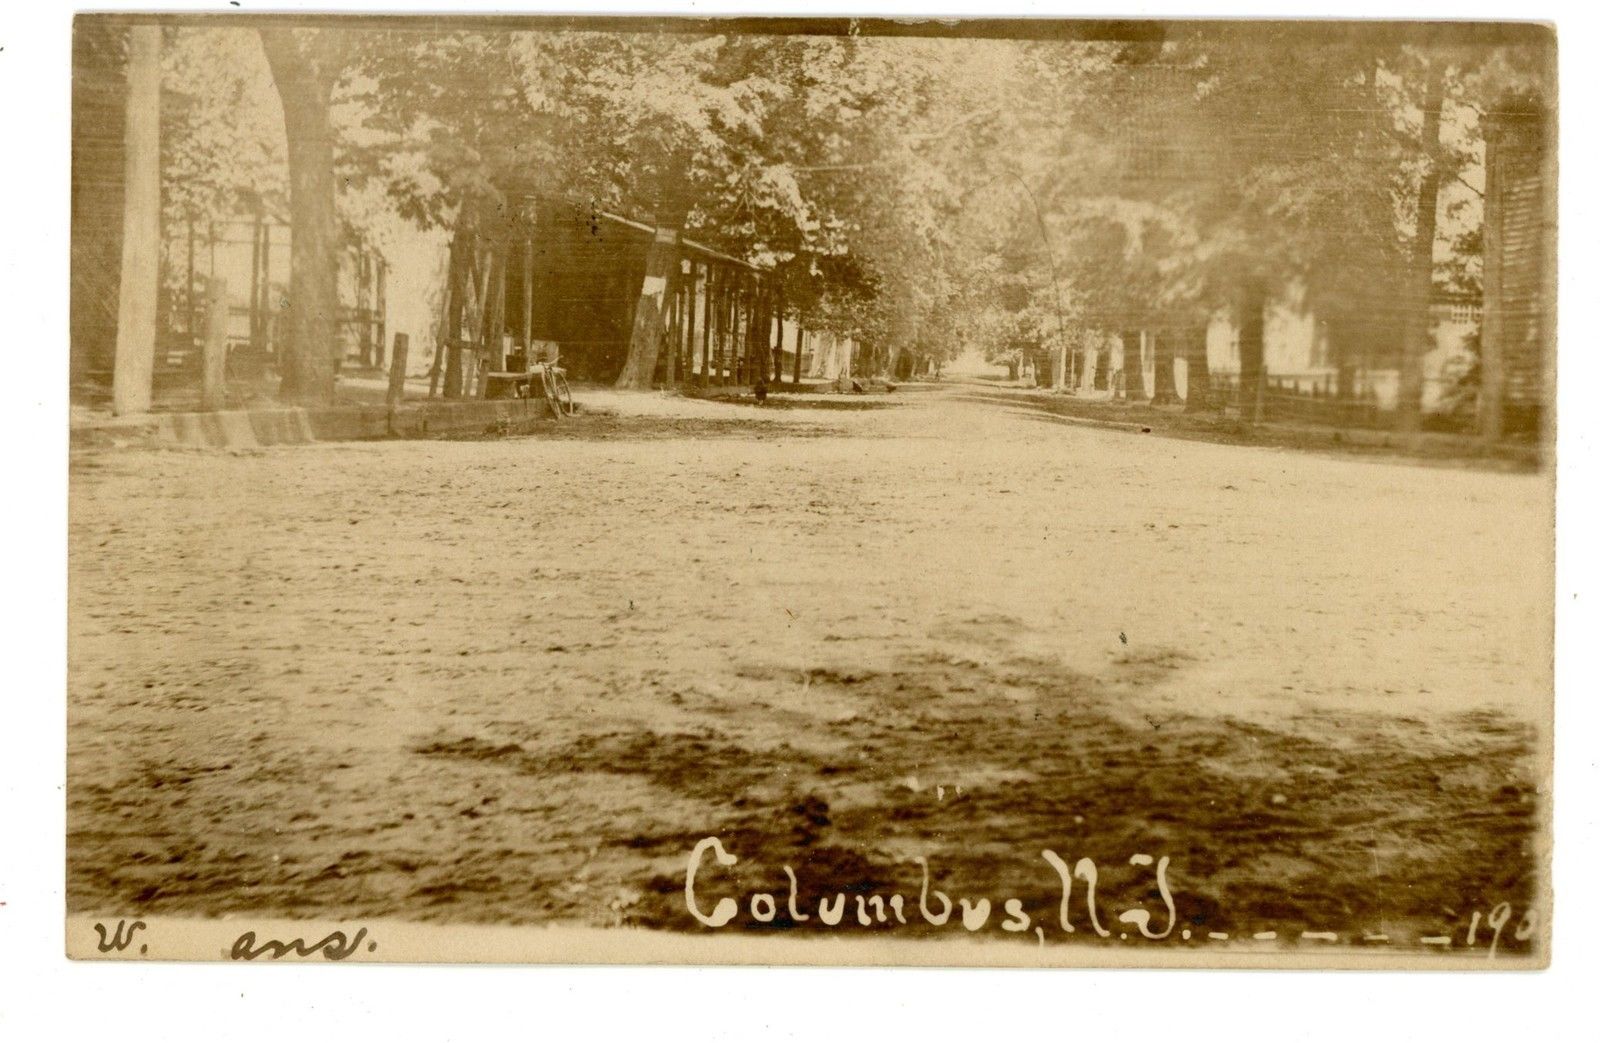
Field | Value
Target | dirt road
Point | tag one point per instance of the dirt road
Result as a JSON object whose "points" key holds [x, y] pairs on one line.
{"points": [[516, 680]]}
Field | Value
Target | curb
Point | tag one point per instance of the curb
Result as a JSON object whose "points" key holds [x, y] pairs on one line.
{"points": [[252, 429]]}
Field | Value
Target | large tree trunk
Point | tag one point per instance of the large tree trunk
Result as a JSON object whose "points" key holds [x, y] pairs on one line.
{"points": [[1344, 355], [649, 314], [1197, 396], [134, 365], [1132, 366], [1252, 352], [448, 324], [491, 335], [1166, 382], [304, 67], [447, 360], [758, 336], [1419, 280]]}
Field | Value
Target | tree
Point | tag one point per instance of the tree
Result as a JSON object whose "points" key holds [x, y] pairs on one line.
{"points": [[1166, 386], [1197, 396], [306, 64], [465, 127], [674, 110], [1419, 277]]}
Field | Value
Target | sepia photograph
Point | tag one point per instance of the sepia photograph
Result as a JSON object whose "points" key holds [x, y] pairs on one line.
{"points": [[824, 491]]}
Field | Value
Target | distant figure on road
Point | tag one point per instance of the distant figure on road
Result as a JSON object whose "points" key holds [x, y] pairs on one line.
{"points": [[761, 391]]}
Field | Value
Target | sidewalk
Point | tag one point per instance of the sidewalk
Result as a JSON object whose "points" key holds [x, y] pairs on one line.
{"points": [[363, 415]]}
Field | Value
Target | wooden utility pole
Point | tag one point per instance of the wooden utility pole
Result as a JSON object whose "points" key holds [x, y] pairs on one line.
{"points": [[134, 367], [214, 368], [527, 292]]}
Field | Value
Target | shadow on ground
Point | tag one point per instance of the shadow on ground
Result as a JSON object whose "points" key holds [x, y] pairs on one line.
{"points": [[1386, 825]]}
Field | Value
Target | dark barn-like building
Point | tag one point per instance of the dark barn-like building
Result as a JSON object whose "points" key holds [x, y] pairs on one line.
{"points": [[565, 280]]}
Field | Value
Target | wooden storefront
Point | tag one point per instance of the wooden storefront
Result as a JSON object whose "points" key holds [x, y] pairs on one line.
{"points": [[564, 280]]}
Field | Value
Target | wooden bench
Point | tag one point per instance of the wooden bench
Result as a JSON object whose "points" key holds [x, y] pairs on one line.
{"points": [[505, 384]]}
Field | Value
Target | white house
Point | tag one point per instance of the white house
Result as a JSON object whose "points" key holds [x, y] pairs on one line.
{"points": [[1299, 359]]}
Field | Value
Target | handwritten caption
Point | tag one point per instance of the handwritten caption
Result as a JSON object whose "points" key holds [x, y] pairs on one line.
{"points": [[1483, 931], [937, 909], [335, 946]]}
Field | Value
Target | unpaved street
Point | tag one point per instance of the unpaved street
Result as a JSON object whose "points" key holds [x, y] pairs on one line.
{"points": [[516, 680]]}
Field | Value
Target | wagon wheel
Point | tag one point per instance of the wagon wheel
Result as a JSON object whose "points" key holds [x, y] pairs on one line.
{"points": [[563, 395], [556, 392]]}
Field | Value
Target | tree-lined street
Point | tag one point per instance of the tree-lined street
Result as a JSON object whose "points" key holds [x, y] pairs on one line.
{"points": [[1082, 207]]}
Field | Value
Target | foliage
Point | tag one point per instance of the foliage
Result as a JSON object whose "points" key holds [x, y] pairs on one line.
{"points": [[929, 194]]}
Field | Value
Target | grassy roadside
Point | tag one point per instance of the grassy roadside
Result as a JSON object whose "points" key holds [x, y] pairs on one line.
{"points": [[1171, 421]]}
